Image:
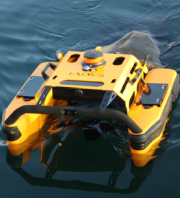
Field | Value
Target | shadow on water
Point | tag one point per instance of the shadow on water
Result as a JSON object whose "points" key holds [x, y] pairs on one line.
{"points": [[135, 184]]}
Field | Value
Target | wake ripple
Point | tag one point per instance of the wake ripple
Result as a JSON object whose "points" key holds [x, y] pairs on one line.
{"points": [[169, 47]]}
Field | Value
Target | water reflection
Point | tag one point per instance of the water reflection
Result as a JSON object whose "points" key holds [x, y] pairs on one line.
{"points": [[80, 146], [3, 141]]}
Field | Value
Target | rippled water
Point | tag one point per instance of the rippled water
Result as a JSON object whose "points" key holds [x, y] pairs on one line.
{"points": [[75, 163]]}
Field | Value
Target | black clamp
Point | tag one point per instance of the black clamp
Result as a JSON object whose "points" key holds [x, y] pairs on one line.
{"points": [[132, 81], [69, 111]]}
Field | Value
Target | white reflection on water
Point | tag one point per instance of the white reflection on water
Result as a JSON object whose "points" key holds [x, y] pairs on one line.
{"points": [[3, 143]]}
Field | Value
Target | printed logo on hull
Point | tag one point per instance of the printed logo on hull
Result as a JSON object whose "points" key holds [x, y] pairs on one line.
{"points": [[86, 74]]}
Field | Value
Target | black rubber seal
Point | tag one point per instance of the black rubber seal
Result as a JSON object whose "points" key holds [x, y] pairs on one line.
{"points": [[12, 133], [140, 142], [86, 112]]}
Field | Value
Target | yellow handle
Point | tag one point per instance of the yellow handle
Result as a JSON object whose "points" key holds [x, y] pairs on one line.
{"points": [[98, 48]]}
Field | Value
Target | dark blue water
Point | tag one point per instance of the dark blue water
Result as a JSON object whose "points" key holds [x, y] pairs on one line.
{"points": [[31, 32]]}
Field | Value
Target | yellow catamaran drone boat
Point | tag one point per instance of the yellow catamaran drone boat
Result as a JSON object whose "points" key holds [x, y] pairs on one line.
{"points": [[119, 79]]}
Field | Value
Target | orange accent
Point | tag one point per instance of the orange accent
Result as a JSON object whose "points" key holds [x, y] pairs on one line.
{"points": [[93, 61]]}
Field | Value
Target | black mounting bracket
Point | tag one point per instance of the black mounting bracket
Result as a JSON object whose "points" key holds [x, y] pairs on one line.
{"points": [[43, 95], [153, 94], [109, 96], [31, 87]]}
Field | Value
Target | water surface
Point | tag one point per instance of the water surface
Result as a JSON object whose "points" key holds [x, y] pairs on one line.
{"points": [[79, 164]]}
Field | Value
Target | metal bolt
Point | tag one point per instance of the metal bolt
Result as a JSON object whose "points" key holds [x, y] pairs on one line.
{"points": [[86, 68], [78, 93], [157, 100], [93, 70]]}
